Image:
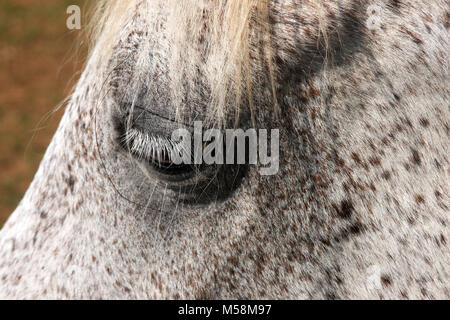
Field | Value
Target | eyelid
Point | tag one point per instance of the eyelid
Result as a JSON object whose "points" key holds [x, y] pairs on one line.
{"points": [[142, 113]]}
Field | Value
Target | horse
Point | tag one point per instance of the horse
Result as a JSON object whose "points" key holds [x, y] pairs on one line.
{"points": [[357, 210]]}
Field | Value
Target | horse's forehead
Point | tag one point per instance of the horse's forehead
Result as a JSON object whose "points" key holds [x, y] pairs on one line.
{"points": [[174, 69]]}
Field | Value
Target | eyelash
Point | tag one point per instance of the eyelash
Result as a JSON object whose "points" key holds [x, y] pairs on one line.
{"points": [[144, 146]]}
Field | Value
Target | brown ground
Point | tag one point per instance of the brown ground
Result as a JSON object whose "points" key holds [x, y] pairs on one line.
{"points": [[38, 65]]}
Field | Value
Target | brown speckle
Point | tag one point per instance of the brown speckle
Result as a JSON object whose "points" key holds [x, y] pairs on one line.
{"points": [[419, 198], [416, 157], [345, 210]]}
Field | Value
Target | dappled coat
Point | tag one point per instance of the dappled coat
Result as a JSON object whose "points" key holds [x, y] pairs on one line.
{"points": [[357, 209]]}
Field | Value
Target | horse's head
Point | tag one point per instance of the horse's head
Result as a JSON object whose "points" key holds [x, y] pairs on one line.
{"points": [[354, 179]]}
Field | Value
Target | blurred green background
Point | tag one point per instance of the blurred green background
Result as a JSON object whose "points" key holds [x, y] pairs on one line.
{"points": [[39, 63]]}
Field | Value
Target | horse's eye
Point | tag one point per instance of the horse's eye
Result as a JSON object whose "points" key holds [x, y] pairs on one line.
{"points": [[172, 163], [155, 151]]}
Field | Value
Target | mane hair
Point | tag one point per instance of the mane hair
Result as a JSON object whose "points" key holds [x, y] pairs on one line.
{"points": [[222, 40]]}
